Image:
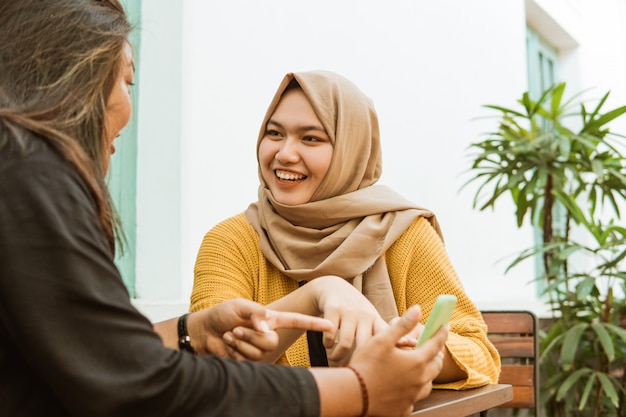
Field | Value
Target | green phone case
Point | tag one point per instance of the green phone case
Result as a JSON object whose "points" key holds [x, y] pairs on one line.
{"points": [[440, 315]]}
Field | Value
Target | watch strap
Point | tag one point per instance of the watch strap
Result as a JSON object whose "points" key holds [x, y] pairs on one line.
{"points": [[184, 341]]}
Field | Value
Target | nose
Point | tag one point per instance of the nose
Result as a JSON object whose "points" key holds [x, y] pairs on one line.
{"points": [[288, 151]]}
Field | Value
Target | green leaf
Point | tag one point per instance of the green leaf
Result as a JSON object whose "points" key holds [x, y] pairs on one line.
{"points": [[505, 110], [605, 340], [617, 331], [570, 345], [595, 111], [572, 379], [556, 98], [565, 146], [604, 119], [588, 386], [597, 166], [608, 388], [551, 340], [584, 288]]}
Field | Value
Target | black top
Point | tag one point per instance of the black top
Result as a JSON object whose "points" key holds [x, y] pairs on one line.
{"points": [[72, 344]]}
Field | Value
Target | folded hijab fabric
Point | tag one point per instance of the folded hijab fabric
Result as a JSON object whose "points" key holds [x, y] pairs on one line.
{"points": [[350, 221]]}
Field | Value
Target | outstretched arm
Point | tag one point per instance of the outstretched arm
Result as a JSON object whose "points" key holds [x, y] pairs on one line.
{"points": [[354, 319], [237, 328]]}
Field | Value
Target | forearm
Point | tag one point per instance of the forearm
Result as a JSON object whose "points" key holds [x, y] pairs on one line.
{"points": [[479, 363], [339, 390], [450, 371], [303, 300], [168, 332]]}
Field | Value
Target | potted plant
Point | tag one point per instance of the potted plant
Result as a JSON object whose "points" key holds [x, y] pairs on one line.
{"points": [[569, 182]]}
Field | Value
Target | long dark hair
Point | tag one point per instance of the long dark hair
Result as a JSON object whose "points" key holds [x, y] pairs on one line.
{"points": [[58, 62]]}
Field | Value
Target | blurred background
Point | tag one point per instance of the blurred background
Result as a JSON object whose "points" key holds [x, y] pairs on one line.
{"points": [[207, 70]]}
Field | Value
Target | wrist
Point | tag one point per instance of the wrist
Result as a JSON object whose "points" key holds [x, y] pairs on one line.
{"points": [[202, 339], [310, 295], [338, 390], [365, 399], [320, 287], [184, 340]]}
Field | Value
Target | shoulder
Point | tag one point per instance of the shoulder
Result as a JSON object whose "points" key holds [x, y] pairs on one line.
{"points": [[237, 224], [420, 234], [38, 175], [44, 199], [420, 227], [235, 230]]}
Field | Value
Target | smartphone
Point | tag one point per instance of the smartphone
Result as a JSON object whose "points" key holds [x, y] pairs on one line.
{"points": [[440, 315]]}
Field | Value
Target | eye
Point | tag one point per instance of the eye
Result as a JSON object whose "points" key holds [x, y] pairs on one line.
{"points": [[129, 84], [314, 140], [274, 134]]}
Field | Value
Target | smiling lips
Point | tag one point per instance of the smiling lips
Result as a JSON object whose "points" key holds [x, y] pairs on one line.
{"points": [[289, 176]]}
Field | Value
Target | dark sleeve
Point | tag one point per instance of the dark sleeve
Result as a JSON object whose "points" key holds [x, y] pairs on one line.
{"points": [[67, 318]]}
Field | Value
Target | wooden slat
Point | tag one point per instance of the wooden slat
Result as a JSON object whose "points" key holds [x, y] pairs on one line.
{"points": [[517, 375], [523, 397], [514, 347], [509, 322]]}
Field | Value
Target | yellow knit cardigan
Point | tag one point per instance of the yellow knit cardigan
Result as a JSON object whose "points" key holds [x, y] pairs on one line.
{"points": [[230, 265]]}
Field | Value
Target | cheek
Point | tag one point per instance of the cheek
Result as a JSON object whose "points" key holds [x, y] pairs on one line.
{"points": [[118, 112], [265, 156], [266, 153], [123, 113], [322, 161]]}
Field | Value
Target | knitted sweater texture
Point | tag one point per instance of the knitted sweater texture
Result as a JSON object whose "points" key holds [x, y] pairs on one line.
{"points": [[230, 265]]}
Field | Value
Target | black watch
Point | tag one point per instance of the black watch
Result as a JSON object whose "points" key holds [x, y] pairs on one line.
{"points": [[184, 341]]}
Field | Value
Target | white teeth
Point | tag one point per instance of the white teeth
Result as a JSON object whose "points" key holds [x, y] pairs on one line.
{"points": [[289, 177]]}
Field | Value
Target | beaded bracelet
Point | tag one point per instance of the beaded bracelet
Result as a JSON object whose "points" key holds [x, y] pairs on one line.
{"points": [[364, 394]]}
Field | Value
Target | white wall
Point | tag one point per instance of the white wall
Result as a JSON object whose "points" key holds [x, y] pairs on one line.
{"points": [[428, 66]]}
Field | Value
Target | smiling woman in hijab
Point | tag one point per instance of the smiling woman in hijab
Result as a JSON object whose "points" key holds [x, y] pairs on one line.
{"points": [[365, 253]]}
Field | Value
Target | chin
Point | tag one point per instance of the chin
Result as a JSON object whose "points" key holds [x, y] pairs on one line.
{"points": [[289, 198], [290, 201]]}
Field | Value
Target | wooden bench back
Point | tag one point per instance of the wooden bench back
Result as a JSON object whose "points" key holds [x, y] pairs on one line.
{"points": [[514, 334]]}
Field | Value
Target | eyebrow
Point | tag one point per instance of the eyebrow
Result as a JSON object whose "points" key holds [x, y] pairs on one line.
{"points": [[306, 128]]}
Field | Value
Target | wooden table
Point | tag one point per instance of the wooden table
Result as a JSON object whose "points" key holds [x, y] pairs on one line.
{"points": [[442, 402]]}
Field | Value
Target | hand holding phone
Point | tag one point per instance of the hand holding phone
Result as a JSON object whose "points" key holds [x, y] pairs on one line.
{"points": [[440, 315]]}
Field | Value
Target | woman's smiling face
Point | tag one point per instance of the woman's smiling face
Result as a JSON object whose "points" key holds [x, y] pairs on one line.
{"points": [[295, 152]]}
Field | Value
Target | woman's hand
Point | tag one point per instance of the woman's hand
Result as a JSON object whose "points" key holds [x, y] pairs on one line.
{"points": [[399, 377], [395, 378], [410, 339], [243, 329], [450, 372], [353, 317]]}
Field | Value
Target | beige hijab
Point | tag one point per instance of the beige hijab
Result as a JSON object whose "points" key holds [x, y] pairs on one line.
{"points": [[349, 223]]}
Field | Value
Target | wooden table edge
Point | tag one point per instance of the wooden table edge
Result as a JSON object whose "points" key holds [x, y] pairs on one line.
{"points": [[467, 402]]}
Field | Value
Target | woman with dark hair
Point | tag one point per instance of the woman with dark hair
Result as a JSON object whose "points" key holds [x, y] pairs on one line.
{"points": [[71, 343]]}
